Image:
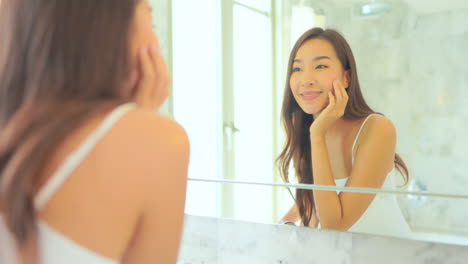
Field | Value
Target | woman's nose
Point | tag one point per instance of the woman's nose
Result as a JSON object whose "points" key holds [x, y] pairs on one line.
{"points": [[307, 83]]}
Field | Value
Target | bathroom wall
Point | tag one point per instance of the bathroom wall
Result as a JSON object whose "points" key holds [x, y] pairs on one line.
{"points": [[221, 241], [412, 65]]}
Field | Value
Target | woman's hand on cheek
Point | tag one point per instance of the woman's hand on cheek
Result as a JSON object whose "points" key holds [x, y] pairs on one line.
{"points": [[153, 79], [334, 111]]}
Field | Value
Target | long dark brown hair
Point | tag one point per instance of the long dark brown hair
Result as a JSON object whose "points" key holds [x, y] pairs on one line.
{"points": [[296, 123], [61, 61]]}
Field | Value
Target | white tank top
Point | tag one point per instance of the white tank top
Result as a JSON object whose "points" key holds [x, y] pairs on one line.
{"points": [[56, 248], [383, 216]]}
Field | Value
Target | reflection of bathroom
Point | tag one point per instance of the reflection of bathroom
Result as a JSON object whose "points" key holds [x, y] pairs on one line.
{"points": [[410, 57]]}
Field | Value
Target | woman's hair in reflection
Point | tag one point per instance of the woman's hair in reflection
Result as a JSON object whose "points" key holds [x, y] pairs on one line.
{"points": [[61, 61], [296, 123]]}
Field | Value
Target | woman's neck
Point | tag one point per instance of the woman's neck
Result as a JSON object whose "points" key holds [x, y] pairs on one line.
{"points": [[339, 126]]}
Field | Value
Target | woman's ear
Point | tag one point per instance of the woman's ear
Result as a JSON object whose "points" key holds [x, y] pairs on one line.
{"points": [[347, 79]]}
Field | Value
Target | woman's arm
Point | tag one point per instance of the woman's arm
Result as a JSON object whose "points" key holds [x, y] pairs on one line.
{"points": [[162, 176], [373, 161], [293, 216]]}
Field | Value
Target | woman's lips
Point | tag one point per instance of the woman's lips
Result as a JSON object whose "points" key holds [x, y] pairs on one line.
{"points": [[309, 96]]}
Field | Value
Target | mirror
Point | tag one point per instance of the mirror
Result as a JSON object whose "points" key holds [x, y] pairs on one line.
{"points": [[229, 62], [429, 216]]}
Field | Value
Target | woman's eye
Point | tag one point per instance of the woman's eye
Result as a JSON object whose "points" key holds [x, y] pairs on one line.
{"points": [[296, 69], [321, 66]]}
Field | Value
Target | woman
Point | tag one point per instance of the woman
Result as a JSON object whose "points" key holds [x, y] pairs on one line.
{"points": [[334, 138], [88, 172]]}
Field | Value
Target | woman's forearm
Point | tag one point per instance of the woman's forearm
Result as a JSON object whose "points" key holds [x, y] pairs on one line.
{"points": [[327, 203]]}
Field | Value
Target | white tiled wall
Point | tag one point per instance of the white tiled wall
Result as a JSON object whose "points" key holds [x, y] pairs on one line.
{"points": [[413, 67]]}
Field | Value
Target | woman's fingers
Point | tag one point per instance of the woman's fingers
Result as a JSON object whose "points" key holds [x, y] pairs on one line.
{"points": [[132, 82], [153, 56], [332, 100], [343, 91], [337, 90], [341, 94], [161, 71], [152, 88], [163, 81], [145, 86]]}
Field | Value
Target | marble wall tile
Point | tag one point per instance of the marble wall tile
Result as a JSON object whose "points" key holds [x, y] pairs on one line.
{"points": [[459, 21], [412, 67], [428, 24]]}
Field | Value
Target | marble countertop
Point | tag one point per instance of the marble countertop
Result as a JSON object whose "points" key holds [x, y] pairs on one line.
{"points": [[211, 240]]}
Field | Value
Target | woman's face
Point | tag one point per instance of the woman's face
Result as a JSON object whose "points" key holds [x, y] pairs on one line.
{"points": [[314, 69]]}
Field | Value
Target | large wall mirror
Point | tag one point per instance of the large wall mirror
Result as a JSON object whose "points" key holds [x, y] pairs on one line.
{"points": [[229, 63]]}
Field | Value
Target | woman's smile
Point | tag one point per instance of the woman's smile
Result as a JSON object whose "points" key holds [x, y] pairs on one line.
{"points": [[310, 95]]}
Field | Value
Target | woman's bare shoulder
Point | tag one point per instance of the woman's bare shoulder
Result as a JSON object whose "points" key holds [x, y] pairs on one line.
{"points": [[379, 125], [143, 124], [142, 146], [157, 157], [378, 131], [148, 131]]}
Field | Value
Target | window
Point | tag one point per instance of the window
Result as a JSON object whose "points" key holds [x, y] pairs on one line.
{"points": [[222, 95], [196, 96], [229, 63], [252, 111]]}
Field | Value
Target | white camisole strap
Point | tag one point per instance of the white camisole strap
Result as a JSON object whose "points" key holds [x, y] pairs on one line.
{"points": [[76, 157], [357, 136]]}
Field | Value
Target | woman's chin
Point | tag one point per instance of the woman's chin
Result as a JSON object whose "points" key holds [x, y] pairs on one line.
{"points": [[311, 110]]}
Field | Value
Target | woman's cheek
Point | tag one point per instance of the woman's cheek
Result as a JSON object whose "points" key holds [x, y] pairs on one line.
{"points": [[293, 85], [331, 78]]}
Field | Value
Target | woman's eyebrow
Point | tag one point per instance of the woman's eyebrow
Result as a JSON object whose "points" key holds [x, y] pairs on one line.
{"points": [[314, 59]]}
